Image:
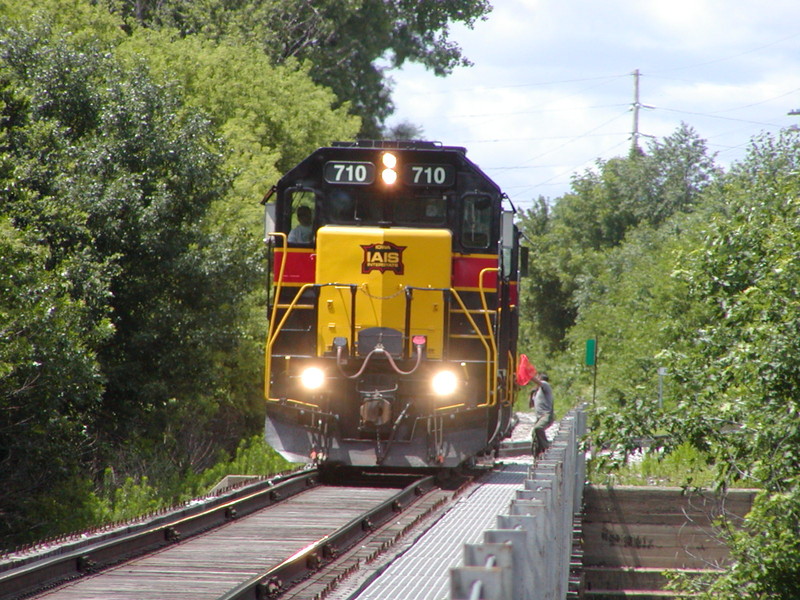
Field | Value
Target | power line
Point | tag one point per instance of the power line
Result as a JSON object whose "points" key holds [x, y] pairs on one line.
{"points": [[713, 116], [635, 134], [732, 56], [734, 108], [535, 111], [575, 138], [569, 171], [601, 78], [539, 138]]}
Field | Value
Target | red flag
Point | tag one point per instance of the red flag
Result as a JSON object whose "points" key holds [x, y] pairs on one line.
{"points": [[525, 370]]}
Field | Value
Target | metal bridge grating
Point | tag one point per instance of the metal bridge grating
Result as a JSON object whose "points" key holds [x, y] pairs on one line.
{"points": [[423, 572]]}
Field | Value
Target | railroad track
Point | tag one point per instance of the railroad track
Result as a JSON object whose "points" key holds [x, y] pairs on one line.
{"points": [[257, 543]]}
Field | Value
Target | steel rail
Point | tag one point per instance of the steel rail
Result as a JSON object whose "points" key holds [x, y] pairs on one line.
{"points": [[275, 581], [76, 560]]}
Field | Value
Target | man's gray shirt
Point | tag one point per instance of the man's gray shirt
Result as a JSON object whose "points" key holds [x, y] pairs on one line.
{"points": [[543, 400]]}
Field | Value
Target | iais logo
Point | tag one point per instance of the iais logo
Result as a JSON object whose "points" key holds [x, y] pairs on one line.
{"points": [[384, 256]]}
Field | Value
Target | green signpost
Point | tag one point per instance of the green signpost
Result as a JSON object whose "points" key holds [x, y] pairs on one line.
{"points": [[591, 352], [591, 361]]}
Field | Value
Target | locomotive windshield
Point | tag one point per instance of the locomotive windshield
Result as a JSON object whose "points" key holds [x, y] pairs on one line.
{"points": [[354, 206], [365, 207]]}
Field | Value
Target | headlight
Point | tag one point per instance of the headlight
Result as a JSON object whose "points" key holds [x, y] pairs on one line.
{"points": [[312, 378], [389, 160], [389, 176], [444, 383]]}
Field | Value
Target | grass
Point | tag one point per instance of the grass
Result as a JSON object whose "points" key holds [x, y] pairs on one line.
{"points": [[683, 467]]}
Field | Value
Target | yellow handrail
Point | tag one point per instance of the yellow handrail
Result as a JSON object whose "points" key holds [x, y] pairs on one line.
{"points": [[273, 335], [510, 381], [489, 358], [271, 340], [273, 316], [490, 347], [489, 326]]}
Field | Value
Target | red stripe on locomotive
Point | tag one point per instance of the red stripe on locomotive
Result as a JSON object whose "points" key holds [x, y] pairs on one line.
{"points": [[300, 265], [467, 271]]}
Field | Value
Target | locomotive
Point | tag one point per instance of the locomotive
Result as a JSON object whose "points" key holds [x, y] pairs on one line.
{"points": [[393, 308]]}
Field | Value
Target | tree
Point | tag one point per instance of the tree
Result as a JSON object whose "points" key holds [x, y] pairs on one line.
{"points": [[680, 170], [571, 244], [269, 116], [741, 370], [50, 379], [50, 383], [125, 199], [727, 325], [112, 180], [405, 130], [635, 308], [346, 43]]}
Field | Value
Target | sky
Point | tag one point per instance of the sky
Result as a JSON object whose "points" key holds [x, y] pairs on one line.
{"points": [[551, 90]]}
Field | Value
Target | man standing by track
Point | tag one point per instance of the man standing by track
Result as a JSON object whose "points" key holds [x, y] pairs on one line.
{"points": [[542, 403]]}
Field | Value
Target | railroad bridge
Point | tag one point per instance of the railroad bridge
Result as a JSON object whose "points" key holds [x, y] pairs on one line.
{"points": [[522, 530]]}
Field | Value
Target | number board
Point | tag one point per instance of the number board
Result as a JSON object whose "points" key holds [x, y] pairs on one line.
{"points": [[429, 175], [359, 173]]}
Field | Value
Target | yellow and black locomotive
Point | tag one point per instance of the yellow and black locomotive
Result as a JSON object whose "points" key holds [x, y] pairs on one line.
{"points": [[393, 308]]}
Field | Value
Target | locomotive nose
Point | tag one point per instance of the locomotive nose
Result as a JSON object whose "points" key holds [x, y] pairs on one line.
{"points": [[382, 285]]}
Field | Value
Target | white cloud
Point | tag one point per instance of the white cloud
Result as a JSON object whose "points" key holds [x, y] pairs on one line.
{"points": [[551, 89]]}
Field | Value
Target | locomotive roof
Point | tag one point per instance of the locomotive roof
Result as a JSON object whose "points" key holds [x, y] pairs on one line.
{"points": [[399, 145], [343, 150]]}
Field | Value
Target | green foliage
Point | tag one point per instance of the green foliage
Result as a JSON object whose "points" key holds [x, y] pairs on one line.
{"points": [[270, 117], [684, 466], [131, 499], [630, 308], [69, 505], [132, 160], [117, 202], [124, 498], [50, 385], [50, 379], [343, 41], [766, 552], [572, 240], [252, 457], [699, 275], [83, 23], [127, 295], [743, 366]]}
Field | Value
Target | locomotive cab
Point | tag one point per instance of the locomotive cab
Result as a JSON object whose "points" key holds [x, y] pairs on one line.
{"points": [[392, 308]]}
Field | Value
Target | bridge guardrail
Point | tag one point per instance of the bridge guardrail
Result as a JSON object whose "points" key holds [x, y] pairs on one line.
{"points": [[527, 555]]}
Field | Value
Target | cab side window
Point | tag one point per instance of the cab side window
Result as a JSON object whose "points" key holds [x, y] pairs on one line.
{"points": [[476, 223], [301, 219]]}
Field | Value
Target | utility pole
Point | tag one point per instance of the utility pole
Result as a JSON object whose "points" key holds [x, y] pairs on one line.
{"points": [[636, 106]]}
